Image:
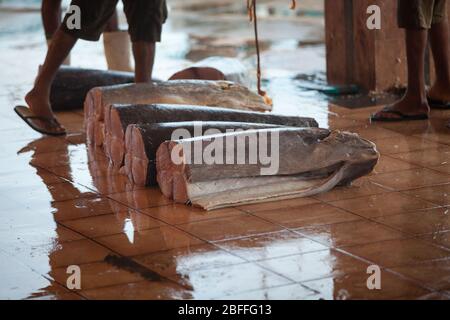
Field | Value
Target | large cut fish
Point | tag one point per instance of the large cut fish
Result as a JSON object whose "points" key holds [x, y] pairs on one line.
{"points": [[310, 161], [189, 92], [119, 117], [71, 85]]}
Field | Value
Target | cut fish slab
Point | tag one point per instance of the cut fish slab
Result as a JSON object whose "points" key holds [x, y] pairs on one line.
{"points": [[143, 140], [119, 117], [71, 85], [187, 92], [311, 161]]}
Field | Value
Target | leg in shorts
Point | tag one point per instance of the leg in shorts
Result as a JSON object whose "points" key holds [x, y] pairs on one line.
{"points": [[420, 14], [145, 18]]}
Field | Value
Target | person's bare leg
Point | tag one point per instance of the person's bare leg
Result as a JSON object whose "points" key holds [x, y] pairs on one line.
{"points": [[415, 100], [144, 57], [51, 16], [116, 44], [440, 46], [113, 23], [38, 99]]}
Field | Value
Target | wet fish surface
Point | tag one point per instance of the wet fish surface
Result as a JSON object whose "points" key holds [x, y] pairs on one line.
{"points": [[310, 161], [188, 92], [143, 140], [119, 117], [71, 85]]}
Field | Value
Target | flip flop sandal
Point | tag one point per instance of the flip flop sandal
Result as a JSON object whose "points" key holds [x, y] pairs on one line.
{"points": [[51, 124], [401, 116], [438, 104]]}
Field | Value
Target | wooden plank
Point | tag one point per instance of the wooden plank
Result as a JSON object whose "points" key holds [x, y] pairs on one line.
{"points": [[373, 59], [338, 42]]}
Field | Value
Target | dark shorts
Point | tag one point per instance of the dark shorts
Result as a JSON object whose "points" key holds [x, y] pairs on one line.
{"points": [[420, 14], [145, 18]]}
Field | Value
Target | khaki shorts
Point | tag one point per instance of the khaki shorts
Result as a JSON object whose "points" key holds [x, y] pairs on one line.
{"points": [[145, 18], [420, 14]]}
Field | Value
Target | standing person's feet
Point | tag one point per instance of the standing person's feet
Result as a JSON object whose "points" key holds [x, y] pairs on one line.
{"points": [[39, 115], [439, 96], [409, 108]]}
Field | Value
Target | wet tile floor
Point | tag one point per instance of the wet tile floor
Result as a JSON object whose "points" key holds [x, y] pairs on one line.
{"points": [[62, 205]]}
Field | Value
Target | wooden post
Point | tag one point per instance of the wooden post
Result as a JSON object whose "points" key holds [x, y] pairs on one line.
{"points": [[373, 59]]}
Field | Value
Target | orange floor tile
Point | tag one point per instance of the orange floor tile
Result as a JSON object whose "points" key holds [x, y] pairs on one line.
{"points": [[60, 208], [62, 205]]}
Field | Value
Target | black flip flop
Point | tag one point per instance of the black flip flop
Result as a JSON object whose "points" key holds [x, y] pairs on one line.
{"points": [[51, 124], [401, 116], [438, 104]]}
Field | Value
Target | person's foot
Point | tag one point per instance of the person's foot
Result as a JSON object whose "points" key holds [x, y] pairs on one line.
{"points": [[39, 105], [408, 107], [439, 92]]}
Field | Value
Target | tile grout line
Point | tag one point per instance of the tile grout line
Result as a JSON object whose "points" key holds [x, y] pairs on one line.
{"points": [[343, 251], [370, 219], [207, 241], [118, 254], [36, 271]]}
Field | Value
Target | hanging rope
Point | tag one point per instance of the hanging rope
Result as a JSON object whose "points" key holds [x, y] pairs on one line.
{"points": [[251, 6], [251, 9]]}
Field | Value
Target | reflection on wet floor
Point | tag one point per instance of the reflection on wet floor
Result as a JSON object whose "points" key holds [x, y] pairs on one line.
{"points": [[61, 204]]}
